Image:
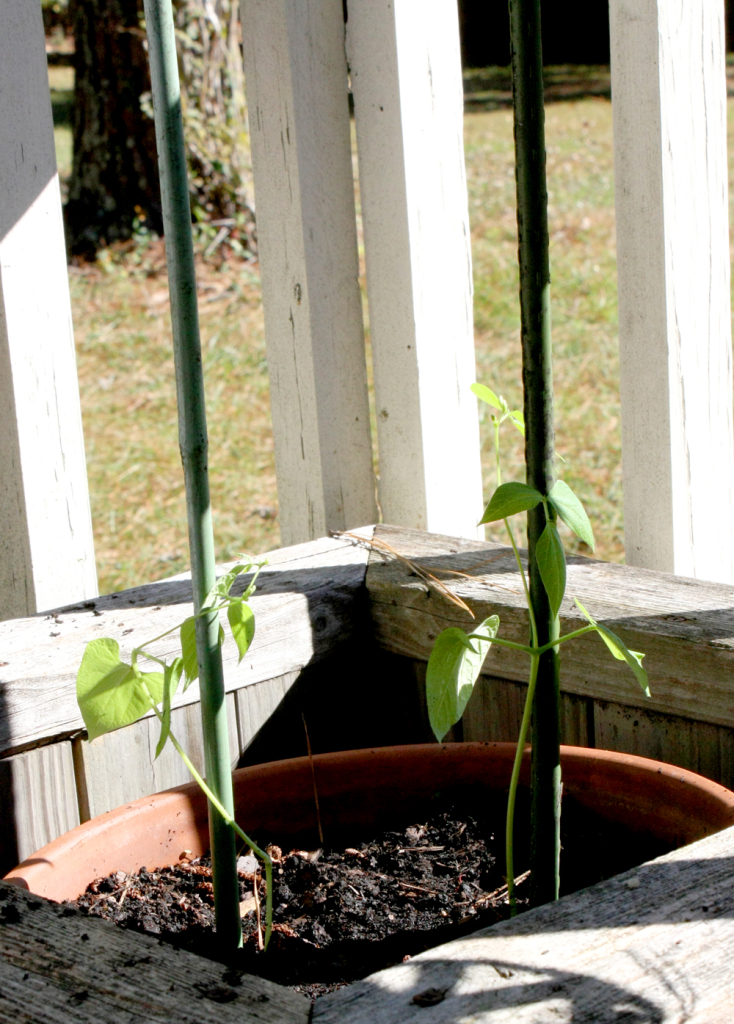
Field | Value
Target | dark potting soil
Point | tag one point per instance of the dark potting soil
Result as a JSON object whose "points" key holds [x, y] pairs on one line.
{"points": [[340, 914]]}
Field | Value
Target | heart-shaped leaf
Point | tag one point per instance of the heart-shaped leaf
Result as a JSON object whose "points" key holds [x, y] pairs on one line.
{"points": [[453, 668], [571, 511], [552, 565], [109, 692], [487, 396], [242, 623], [510, 499]]}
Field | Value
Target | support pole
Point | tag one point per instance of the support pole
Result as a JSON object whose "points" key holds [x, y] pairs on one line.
{"points": [[532, 225], [194, 454]]}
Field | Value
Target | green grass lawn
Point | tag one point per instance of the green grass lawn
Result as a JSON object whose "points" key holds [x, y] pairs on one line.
{"points": [[126, 372]]}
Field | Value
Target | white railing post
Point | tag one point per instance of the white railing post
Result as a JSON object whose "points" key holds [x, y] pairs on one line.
{"points": [[405, 65], [46, 546], [297, 98], [670, 165]]}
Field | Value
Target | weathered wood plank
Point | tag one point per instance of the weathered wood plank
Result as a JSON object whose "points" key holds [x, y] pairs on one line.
{"points": [[658, 950], [297, 99], [408, 110], [46, 544], [256, 704], [38, 801], [58, 966], [494, 713], [673, 265], [684, 626], [703, 748], [121, 766], [304, 606]]}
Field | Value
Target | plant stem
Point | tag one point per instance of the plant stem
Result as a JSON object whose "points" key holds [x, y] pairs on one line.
{"points": [[525, 648], [532, 222], [194, 454], [266, 859], [243, 836], [515, 778], [568, 636]]}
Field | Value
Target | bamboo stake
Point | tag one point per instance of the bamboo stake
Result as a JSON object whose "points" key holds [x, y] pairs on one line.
{"points": [[194, 453], [532, 222]]}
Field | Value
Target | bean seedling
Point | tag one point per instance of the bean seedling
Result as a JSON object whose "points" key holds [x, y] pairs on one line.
{"points": [[457, 656], [112, 693]]}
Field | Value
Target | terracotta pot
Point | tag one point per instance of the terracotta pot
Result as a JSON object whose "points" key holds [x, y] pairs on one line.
{"points": [[361, 789]]}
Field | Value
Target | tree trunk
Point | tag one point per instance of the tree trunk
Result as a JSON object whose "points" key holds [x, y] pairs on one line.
{"points": [[114, 178]]}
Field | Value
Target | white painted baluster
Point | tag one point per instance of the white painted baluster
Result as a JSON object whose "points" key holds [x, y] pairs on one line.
{"points": [[405, 65], [669, 106], [46, 546], [297, 97]]}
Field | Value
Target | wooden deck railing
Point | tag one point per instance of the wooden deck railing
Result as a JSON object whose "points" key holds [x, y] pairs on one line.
{"points": [[343, 636], [673, 259]]}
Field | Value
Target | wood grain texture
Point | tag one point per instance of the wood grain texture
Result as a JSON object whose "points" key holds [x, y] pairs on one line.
{"points": [[57, 967], [494, 713], [297, 100], [304, 608], [38, 801], [685, 627], [46, 544], [121, 766], [255, 705], [703, 748], [673, 266], [658, 951], [405, 69]]}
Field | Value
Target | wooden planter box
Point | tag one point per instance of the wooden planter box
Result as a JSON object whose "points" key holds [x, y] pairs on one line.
{"points": [[344, 630]]}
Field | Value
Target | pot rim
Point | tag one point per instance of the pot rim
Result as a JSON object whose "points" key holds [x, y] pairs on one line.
{"points": [[186, 806]]}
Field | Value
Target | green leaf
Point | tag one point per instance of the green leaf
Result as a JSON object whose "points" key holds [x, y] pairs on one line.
{"points": [[224, 584], [586, 615], [633, 658], [551, 560], [509, 499], [107, 690], [453, 667], [620, 650], [485, 395], [171, 678], [518, 420], [571, 511], [188, 651], [242, 623]]}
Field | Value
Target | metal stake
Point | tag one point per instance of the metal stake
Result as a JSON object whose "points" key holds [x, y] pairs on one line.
{"points": [[194, 453], [537, 371]]}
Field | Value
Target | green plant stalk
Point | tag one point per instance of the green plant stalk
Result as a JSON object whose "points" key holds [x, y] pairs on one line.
{"points": [[194, 455], [514, 780], [532, 222]]}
